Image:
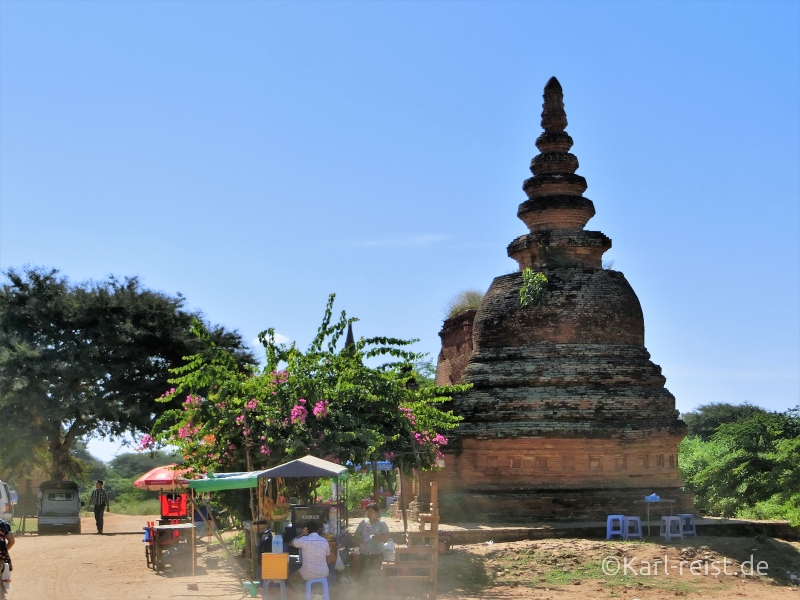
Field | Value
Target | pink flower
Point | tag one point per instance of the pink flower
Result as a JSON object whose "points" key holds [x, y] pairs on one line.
{"points": [[408, 415], [187, 431], [299, 413], [252, 405], [147, 443], [321, 409]]}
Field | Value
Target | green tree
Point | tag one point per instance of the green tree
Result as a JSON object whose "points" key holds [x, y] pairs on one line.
{"points": [[749, 467], [133, 465], [87, 358], [91, 467], [704, 420], [323, 401]]}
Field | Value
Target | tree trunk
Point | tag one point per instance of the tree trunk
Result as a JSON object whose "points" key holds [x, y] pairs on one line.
{"points": [[60, 448], [375, 484], [59, 454]]}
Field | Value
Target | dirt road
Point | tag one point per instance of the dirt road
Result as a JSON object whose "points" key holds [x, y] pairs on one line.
{"points": [[104, 567]]}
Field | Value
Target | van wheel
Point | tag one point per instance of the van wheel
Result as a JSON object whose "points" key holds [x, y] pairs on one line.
{"points": [[77, 529], [43, 530]]}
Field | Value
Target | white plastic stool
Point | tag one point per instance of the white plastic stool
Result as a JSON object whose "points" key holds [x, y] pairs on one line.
{"points": [[632, 528], [687, 524], [324, 582], [265, 586], [615, 525], [671, 528]]}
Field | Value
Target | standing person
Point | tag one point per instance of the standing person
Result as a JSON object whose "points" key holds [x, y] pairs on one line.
{"points": [[315, 551], [99, 499], [371, 535], [6, 541]]}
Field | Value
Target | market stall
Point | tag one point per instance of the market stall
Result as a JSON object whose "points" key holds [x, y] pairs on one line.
{"points": [[274, 510], [172, 534], [283, 513]]}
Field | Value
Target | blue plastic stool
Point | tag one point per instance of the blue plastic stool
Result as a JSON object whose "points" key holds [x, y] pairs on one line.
{"points": [[687, 524], [615, 525], [671, 528], [632, 528], [265, 586], [324, 582]]}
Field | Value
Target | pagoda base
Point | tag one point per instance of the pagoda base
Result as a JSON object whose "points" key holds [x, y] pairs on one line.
{"points": [[541, 506], [557, 479]]}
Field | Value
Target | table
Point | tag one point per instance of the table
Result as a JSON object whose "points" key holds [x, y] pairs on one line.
{"points": [[163, 538], [649, 502]]}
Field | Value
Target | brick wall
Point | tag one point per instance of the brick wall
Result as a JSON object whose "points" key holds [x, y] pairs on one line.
{"points": [[456, 335]]}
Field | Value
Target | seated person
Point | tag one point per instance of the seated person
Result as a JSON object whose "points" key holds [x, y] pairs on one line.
{"points": [[315, 552], [371, 534]]}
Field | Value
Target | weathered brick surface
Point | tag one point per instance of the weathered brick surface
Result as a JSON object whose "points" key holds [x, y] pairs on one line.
{"points": [[567, 418], [456, 337], [581, 306], [548, 213]]}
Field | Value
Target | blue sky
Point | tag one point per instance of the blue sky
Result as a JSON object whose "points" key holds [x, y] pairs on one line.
{"points": [[257, 156]]}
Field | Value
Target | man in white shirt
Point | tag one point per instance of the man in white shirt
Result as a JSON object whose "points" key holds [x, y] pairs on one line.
{"points": [[314, 553]]}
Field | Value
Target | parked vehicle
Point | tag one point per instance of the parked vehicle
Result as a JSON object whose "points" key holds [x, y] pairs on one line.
{"points": [[59, 507], [6, 503]]}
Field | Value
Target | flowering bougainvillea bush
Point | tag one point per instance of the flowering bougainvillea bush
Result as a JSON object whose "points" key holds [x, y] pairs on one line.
{"points": [[350, 405]]}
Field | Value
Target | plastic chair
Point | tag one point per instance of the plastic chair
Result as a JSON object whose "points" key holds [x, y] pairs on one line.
{"points": [[265, 587], [149, 539], [324, 582], [687, 524], [615, 526], [634, 532], [671, 528]]}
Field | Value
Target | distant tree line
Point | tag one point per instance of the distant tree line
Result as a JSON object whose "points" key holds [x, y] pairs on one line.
{"points": [[743, 461]]}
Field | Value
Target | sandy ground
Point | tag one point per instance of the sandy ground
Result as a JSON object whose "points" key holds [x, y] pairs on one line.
{"points": [[112, 566], [105, 567]]}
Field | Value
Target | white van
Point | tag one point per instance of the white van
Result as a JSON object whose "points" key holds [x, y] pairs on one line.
{"points": [[6, 503], [59, 507]]}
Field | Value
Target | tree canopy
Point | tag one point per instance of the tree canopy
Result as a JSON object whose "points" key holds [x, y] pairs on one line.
{"points": [[704, 420], [326, 401], [748, 467], [90, 358]]}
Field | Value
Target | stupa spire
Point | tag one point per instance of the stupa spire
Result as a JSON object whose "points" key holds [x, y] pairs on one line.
{"points": [[554, 118], [555, 203]]}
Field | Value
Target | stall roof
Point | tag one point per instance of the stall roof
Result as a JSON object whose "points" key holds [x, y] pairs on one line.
{"points": [[308, 466], [226, 481]]}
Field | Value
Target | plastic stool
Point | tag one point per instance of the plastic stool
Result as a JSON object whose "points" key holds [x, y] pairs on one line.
{"points": [[615, 525], [636, 531], [671, 528], [687, 524], [265, 587], [324, 582], [250, 588]]}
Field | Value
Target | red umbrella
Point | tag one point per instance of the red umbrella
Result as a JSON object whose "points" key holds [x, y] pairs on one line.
{"points": [[168, 478]]}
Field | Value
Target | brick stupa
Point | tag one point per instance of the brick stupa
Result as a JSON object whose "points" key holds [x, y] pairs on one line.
{"points": [[567, 419]]}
